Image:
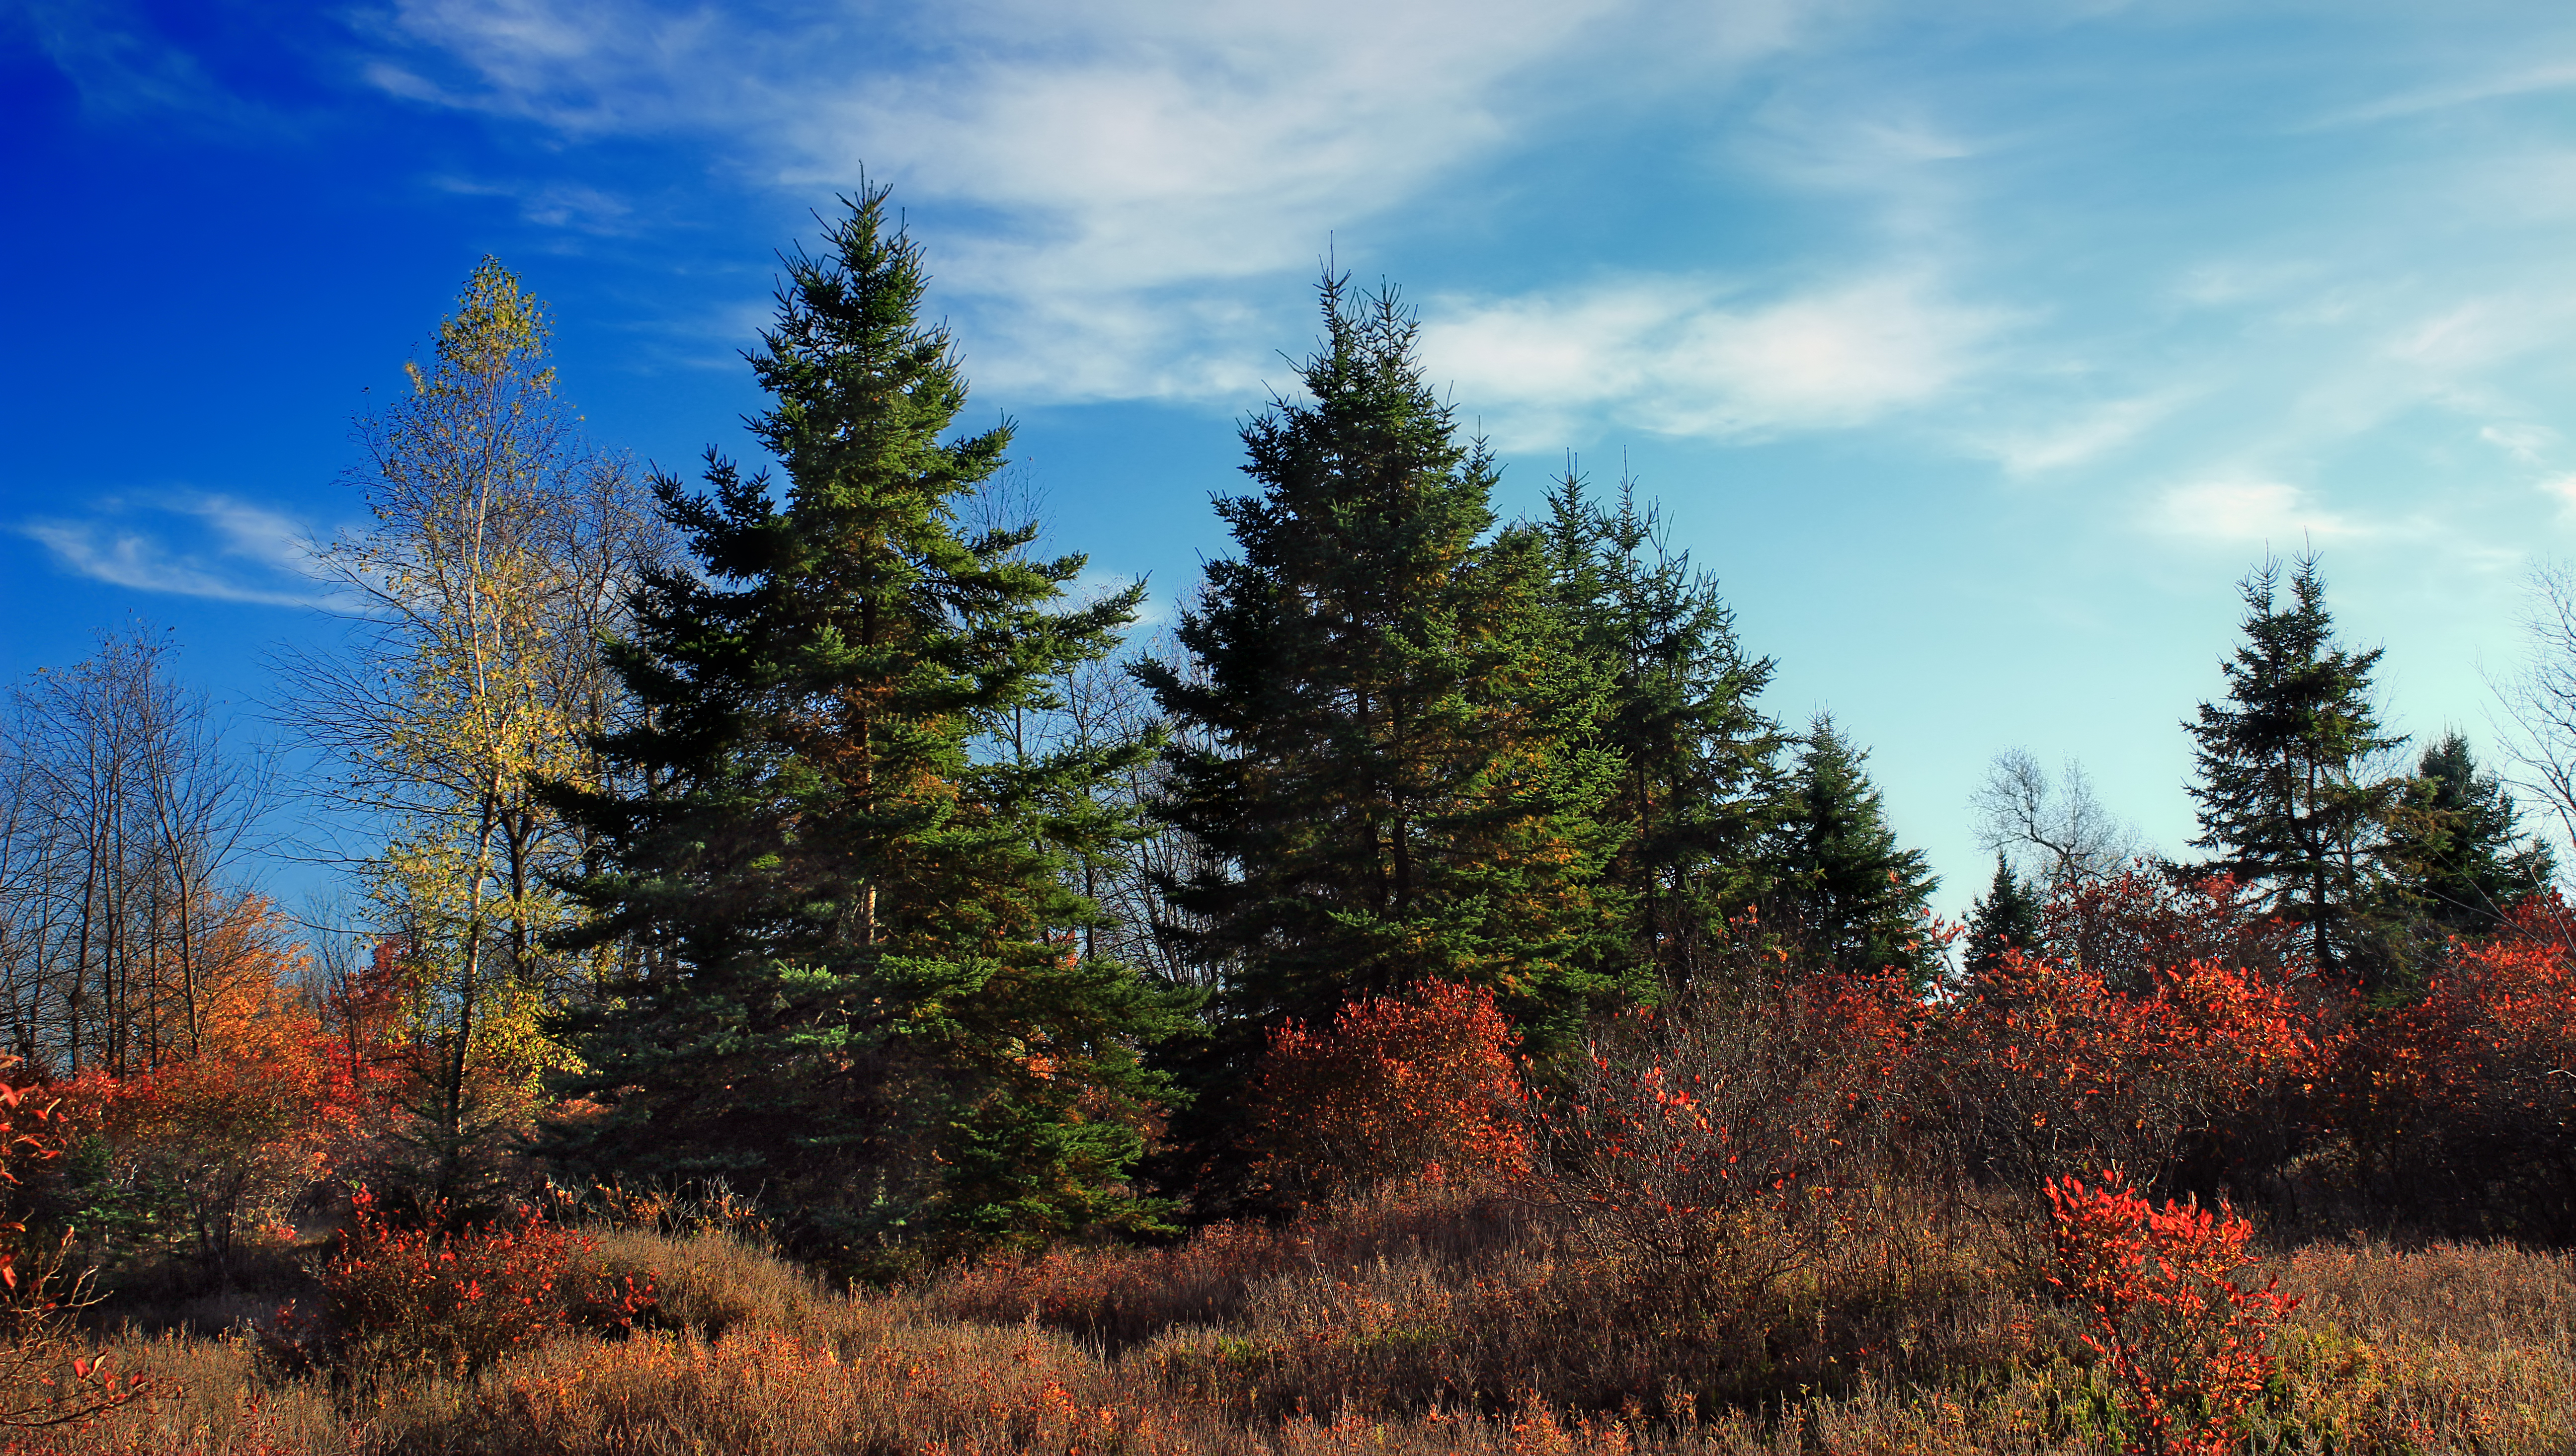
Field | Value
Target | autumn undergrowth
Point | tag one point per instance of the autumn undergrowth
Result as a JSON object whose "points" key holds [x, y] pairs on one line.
{"points": [[1819, 1217], [1412, 1318]]}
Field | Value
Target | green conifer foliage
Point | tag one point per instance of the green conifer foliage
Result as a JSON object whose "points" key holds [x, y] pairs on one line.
{"points": [[2006, 918], [1390, 784], [1696, 788], [858, 984], [1840, 886], [2454, 859], [2283, 793]]}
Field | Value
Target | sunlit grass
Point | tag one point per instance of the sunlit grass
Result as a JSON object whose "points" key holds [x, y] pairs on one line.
{"points": [[1411, 1321]]}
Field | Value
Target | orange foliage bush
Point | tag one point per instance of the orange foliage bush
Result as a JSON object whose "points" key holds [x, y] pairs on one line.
{"points": [[2186, 1345], [2050, 1068], [2127, 927], [1398, 1086], [461, 1299], [248, 1114], [30, 1133], [2467, 1096], [43, 1380]]}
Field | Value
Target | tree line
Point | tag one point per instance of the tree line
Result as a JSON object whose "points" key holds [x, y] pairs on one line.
{"points": [[801, 834], [2379, 860]]}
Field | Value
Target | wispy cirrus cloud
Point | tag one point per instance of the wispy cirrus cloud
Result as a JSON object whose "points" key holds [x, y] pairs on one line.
{"points": [[120, 62], [555, 204], [1101, 182], [2494, 82], [1121, 197], [190, 544], [2079, 434], [1692, 357]]}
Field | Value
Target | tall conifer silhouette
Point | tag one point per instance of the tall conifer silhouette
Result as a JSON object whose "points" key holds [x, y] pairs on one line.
{"points": [[858, 983], [2285, 796], [1389, 785]]}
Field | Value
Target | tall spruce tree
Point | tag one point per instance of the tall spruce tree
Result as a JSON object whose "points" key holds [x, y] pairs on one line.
{"points": [[1387, 782], [860, 988], [1840, 887], [1696, 788], [2284, 793]]}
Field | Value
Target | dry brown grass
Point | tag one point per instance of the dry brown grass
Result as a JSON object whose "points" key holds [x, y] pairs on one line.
{"points": [[1411, 1324], [1121, 1296], [713, 1282], [2485, 1295], [2452, 1348]]}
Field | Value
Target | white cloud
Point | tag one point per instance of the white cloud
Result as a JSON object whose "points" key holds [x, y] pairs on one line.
{"points": [[1682, 356], [1120, 198], [2307, 360], [1886, 148], [2441, 337], [2520, 79], [1098, 180], [2241, 512], [229, 550], [119, 61], [2240, 281], [2466, 335]]}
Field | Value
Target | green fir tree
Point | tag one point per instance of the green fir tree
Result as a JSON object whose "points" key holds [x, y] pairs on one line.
{"points": [[856, 984], [2284, 794], [1841, 888], [1382, 768], [2006, 918], [1697, 789], [2454, 860]]}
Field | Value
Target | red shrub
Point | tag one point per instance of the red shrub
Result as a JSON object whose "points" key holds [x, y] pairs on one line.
{"points": [[44, 1379], [2502, 1018], [460, 1300], [1398, 1087], [2050, 1068], [2185, 1343], [2126, 927], [231, 1125], [2471, 1089]]}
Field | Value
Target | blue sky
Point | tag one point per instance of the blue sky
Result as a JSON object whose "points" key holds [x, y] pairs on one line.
{"points": [[1978, 348]]}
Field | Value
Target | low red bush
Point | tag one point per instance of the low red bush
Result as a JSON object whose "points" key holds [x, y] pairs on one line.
{"points": [[45, 1378], [2128, 926], [2186, 1345], [1397, 1087], [1707, 1146], [2460, 1102], [461, 1299]]}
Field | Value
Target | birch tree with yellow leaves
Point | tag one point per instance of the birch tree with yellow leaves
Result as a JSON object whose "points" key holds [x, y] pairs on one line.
{"points": [[502, 550]]}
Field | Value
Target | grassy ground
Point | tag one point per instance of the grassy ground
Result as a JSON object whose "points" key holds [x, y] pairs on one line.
{"points": [[1430, 1322]]}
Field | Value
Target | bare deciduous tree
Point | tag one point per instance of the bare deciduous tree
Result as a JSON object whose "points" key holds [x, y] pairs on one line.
{"points": [[122, 817], [2055, 830], [2539, 701], [1102, 706], [1105, 703]]}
